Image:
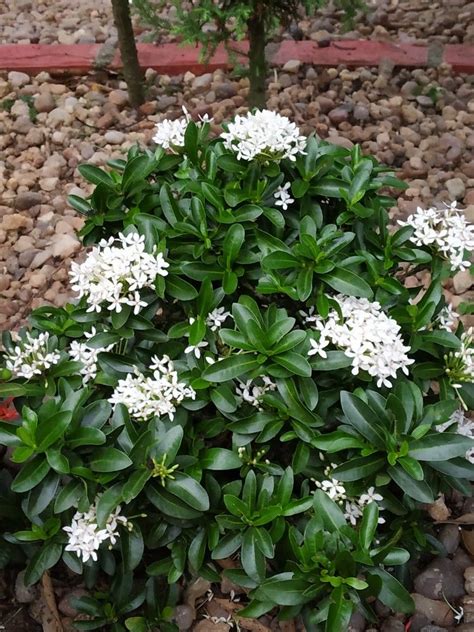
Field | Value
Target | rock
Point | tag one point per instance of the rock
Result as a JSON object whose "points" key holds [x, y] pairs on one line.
{"points": [[4, 282], [357, 623], [59, 117], [409, 114], [119, 98], [16, 222], [225, 90], [450, 536], [66, 607], [325, 103], [184, 616], [424, 101], [22, 125], [469, 577], [202, 83], [18, 79], [207, 625], [40, 259], [435, 611], [440, 579], [24, 594], [462, 281], [114, 137], [44, 102], [25, 258], [456, 188], [165, 102], [64, 246], [322, 38], [25, 242], [292, 66], [48, 184], [37, 279], [433, 628], [392, 625], [339, 115], [361, 112]]}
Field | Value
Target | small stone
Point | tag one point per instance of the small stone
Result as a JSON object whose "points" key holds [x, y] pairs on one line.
{"points": [[66, 607], [392, 625], [225, 90], [25, 258], [18, 79], [450, 536], [456, 188], [462, 281], [37, 279], [184, 616], [469, 577], [22, 125], [119, 98], [440, 579], [202, 83], [361, 112], [357, 622], [65, 246], [15, 222], [24, 594], [435, 611], [4, 282], [40, 259], [338, 115], [114, 137], [433, 628], [292, 66], [25, 242], [165, 102], [424, 101], [44, 102], [409, 114], [48, 184], [325, 104], [322, 38]]}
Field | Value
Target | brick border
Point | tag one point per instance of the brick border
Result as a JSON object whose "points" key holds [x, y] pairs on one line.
{"points": [[173, 59]]}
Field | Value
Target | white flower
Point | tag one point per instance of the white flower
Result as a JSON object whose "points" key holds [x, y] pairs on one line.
{"points": [[253, 393], [460, 363], [196, 349], [113, 274], [333, 488], [447, 318], [352, 512], [216, 318], [310, 316], [283, 198], [170, 134], [265, 135], [31, 356], [446, 231], [366, 335], [146, 397], [370, 496], [462, 425], [84, 535]]}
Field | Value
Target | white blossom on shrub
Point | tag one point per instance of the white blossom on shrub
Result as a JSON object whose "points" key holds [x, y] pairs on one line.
{"points": [[146, 397], [264, 135], [84, 535], [459, 423], [447, 318], [252, 393], [460, 363], [446, 230], [283, 197], [216, 318], [31, 356], [170, 134], [114, 274], [366, 335], [87, 355]]}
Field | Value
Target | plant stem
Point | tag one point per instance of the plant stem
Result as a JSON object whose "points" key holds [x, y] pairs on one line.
{"points": [[257, 62], [128, 51]]}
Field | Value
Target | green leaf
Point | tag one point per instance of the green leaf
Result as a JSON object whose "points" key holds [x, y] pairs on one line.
{"points": [[47, 557], [109, 460], [30, 475], [333, 361], [131, 547], [283, 590], [347, 282], [331, 514], [440, 447], [294, 362], [107, 502], [362, 418], [359, 467], [50, 429], [219, 459], [189, 491], [170, 505], [229, 368], [392, 593], [227, 546], [368, 525], [339, 612], [95, 175], [251, 558], [280, 260], [419, 490], [134, 484], [233, 242], [197, 550], [179, 288]]}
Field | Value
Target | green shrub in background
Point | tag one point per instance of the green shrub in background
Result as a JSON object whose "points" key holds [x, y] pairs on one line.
{"points": [[243, 375], [210, 23]]}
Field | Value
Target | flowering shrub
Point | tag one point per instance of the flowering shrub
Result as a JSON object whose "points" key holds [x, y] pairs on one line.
{"points": [[243, 375]]}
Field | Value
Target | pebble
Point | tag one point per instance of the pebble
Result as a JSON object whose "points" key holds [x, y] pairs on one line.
{"points": [[450, 536], [440, 578], [184, 616], [23, 593], [66, 607], [456, 188], [114, 137], [18, 79], [462, 281], [65, 246], [435, 611], [16, 222], [469, 577], [44, 102], [292, 66]]}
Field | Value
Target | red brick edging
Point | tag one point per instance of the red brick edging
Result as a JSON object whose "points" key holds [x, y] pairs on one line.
{"points": [[173, 59]]}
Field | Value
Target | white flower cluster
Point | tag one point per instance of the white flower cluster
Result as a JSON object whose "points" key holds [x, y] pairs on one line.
{"points": [[114, 274], [353, 507], [253, 393], [283, 197], [462, 425], [460, 363], [84, 535], [88, 356], [216, 318], [367, 335], [446, 230], [31, 356], [447, 318], [264, 134], [170, 134], [146, 397]]}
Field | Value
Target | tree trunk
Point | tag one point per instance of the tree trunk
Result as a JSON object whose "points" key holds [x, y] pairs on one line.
{"points": [[128, 51], [257, 62]]}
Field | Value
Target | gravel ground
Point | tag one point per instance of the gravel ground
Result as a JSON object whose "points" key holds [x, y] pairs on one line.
{"points": [[420, 122], [89, 21]]}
